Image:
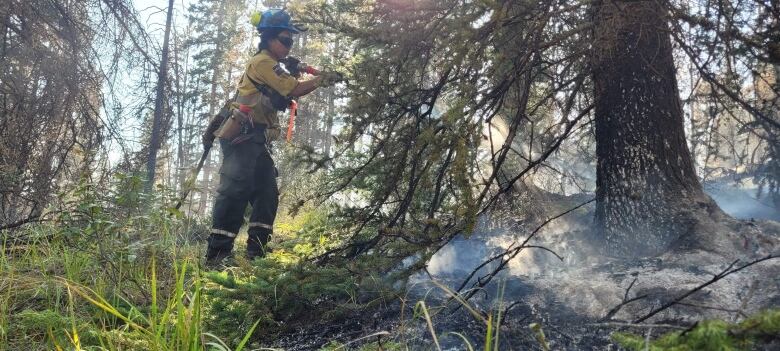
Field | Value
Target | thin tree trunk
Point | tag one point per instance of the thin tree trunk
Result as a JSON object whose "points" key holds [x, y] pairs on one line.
{"points": [[181, 84], [646, 181], [3, 55], [213, 105], [159, 102], [331, 111], [766, 87]]}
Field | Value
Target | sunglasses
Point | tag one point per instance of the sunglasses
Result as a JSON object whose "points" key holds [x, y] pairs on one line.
{"points": [[286, 41]]}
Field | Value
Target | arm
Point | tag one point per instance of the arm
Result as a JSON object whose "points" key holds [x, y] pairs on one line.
{"points": [[306, 86]]}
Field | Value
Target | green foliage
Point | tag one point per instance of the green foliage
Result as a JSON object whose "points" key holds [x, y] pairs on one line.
{"points": [[49, 323], [114, 274], [372, 346], [287, 288], [279, 294], [714, 335], [116, 246]]}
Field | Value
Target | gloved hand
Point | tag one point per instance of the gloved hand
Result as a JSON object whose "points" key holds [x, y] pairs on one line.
{"points": [[208, 140], [329, 78], [216, 122], [291, 64]]}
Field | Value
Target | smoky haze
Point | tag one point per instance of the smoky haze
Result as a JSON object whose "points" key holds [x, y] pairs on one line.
{"points": [[741, 202], [463, 254]]}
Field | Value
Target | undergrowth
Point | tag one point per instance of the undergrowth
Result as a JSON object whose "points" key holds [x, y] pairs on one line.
{"points": [[121, 271], [711, 335]]}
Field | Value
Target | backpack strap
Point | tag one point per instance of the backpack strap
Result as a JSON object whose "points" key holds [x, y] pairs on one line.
{"points": [[278, 101]]}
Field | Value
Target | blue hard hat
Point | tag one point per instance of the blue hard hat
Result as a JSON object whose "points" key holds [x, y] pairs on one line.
{"points": [[277, 19]]}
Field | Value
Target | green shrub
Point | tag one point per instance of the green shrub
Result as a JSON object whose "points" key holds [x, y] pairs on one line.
{"points": [[714, 335], [278, 294]]}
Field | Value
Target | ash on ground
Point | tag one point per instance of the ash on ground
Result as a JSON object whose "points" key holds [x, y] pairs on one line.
{"points": [[571, 299]]}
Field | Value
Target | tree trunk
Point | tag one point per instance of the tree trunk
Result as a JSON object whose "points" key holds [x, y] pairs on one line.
{"points": [[214, 102], [766, 83], [647, 192], [154, 144], [331, 111], [181, 88]]}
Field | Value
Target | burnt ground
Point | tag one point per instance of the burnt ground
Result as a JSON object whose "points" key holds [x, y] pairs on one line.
{"points": [[568, 309], [568, 299]]}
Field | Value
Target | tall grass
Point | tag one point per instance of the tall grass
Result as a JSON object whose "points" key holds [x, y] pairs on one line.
{"points": [[491, 320], [54, 309], [112, 273], [175, 327]]}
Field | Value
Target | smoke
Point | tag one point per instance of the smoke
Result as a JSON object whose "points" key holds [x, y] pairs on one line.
{"points": [[492, 237], [585, 286], [741, 201], [566, 236]]}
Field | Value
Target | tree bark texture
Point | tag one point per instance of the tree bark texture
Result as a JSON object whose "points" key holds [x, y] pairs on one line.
{"points": [[646, 183]]}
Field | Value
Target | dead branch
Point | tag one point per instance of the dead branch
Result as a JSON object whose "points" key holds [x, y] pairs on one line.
{"points": [[726, 272], [625, 301], [508, 254], [21, 222]]}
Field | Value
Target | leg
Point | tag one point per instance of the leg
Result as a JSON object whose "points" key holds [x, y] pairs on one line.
{"points": [[234, 192], [264, 206], [227, 218]]}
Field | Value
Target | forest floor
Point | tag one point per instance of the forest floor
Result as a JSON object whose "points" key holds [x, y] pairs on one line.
{"points": [[93, 281], [579, 301]]}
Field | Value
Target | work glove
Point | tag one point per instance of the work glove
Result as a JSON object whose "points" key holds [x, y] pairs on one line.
{"points": [[330, 78], [214, 124], [292, 65], [208, 140]]}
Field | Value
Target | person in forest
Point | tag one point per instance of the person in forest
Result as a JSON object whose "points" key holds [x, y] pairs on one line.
{"points": [[247, 173]]}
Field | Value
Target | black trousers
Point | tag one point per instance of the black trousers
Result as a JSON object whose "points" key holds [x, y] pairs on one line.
{"points": [[247, 176]]}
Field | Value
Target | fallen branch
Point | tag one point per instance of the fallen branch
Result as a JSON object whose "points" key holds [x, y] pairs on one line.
{"points": [[726, 272], [378, 334], [19, 223], [511, 252], [625, 301], [637, 325], [714, 308]]}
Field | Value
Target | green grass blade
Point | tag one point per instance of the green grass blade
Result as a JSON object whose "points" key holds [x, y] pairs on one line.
{"points": [[489, 334], [460, 299], [247, 336], [424, 309]]}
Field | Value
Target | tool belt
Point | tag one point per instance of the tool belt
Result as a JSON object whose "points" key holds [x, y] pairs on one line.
{"points": [[250, 132], [234, 125], [231, 125]]}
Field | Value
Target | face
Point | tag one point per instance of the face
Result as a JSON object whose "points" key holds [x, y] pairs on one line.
{"points": [[279, 45]]}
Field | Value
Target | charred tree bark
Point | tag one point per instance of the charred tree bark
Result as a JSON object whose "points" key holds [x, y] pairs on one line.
{"points": [[647, 192]]}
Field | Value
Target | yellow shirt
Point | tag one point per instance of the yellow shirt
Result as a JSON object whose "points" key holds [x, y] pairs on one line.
{"points": [[263, 69]]}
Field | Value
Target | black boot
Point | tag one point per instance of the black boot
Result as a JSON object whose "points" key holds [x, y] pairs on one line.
{"points": [[219, 253], [257, 243]]}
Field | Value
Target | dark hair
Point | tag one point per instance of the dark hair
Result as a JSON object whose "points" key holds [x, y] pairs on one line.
{"points": [[266, 36]]}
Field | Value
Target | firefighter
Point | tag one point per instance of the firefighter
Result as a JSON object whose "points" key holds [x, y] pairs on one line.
{"points": [[247, 173]]}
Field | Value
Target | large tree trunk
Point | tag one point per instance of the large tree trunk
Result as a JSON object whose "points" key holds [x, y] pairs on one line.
{"points": [[766, 85], [647, 194]]}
